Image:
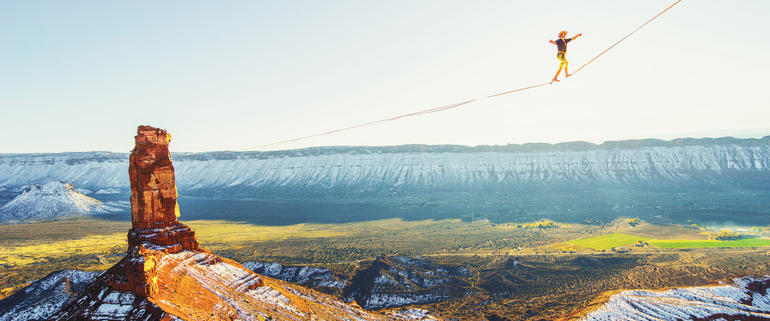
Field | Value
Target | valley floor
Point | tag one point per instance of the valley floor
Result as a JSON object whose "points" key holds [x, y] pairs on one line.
{"points": [[515, 271]]}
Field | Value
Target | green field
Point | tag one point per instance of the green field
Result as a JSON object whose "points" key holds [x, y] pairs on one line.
{"points": [[688, 244], [608, 241]]}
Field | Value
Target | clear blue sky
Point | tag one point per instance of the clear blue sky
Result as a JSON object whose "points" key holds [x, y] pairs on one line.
{"points": [[81, 75]]}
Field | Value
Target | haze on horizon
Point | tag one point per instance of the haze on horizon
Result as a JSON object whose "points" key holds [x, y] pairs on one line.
{"points": [[81, 76]]}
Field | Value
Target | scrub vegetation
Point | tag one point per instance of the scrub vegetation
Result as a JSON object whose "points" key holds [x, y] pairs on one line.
{"points": [[517, 269]]}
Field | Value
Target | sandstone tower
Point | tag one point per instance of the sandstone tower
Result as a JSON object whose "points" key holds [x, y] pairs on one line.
{"points": [[166, 276], [154, 209], [155, 230], [153, 188]]}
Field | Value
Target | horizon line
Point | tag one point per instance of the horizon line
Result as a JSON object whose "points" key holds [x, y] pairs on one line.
{"points": [[664, 140]]}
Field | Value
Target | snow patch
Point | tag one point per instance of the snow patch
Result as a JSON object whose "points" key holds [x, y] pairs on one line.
{"points": [[48, 201], [686, 303]]}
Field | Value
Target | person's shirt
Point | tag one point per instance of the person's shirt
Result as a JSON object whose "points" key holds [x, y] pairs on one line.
{"points": [[561, 44]]}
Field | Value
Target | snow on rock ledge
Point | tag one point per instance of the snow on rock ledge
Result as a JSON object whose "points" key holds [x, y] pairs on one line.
{"points": [[44, 297], [303, 275], [745, 299]]}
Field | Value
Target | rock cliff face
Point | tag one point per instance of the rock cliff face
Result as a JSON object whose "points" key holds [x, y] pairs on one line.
{"points": [[153, 187], [166, 275], [125, 289], [155, 230], [660, 180]]}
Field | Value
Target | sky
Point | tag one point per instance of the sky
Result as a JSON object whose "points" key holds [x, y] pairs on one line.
{"points": [[81, 75]]}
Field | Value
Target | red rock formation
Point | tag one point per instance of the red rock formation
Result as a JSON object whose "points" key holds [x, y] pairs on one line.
{"points": [[167, 276], [154, 211], [153, 187]]}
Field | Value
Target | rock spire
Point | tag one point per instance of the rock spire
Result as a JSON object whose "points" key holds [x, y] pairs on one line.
{"points": [[166, 276], [155, 230], [153, 187]]}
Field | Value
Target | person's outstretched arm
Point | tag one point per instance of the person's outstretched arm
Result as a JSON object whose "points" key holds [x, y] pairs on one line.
{"points": [[551, 41], [575, 37]]}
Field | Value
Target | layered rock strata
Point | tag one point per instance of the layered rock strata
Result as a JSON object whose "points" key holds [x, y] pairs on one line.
{"points": [[153, 185], [166, 275], [154, 211]]}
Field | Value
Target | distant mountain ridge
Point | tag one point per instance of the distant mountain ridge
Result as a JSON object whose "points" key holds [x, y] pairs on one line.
{"points": [[574, 181], [375, 168], [102, 156]]}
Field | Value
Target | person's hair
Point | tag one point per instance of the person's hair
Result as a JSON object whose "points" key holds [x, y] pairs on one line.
{"points": [[562, 33]]}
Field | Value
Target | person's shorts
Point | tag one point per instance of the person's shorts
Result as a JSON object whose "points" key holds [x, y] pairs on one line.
{"points": [[562, 56]]}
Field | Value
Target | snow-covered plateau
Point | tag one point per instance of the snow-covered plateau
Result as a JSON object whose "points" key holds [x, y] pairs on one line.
{"points": [[652, 179], [413, 167]]}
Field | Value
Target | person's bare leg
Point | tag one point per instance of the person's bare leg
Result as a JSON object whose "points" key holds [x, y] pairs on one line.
{"points": [[556, 78], [566, 65]]}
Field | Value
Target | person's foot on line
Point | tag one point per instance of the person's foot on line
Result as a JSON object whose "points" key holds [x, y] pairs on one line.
{"points": [[569, 75], [554, 80]]}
